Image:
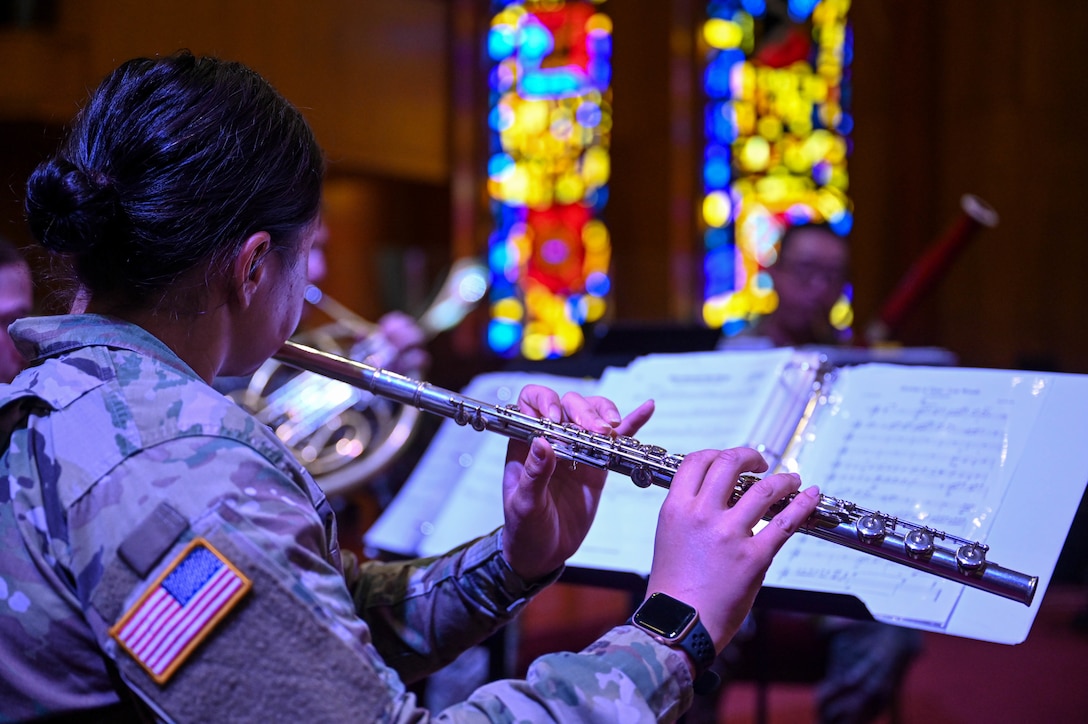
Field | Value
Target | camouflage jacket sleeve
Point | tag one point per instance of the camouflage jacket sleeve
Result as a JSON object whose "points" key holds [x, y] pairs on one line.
{"points": [[424, 612], [295, 642], [625, 676], [423, 607]]}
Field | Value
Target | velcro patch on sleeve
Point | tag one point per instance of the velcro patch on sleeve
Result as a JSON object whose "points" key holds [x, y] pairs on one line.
{"points": [[178, 611]]}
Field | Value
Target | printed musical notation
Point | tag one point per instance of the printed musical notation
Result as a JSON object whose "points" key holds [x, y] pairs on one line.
{"points": [[953, 449], [699, 405], [938, 454]]}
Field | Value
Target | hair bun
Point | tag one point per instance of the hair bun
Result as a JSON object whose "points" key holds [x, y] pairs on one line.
{"points": [[69, 210]]}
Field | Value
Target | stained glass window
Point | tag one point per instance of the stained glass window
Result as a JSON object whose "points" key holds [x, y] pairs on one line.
{"points": [[548, 169], [778, 136]]}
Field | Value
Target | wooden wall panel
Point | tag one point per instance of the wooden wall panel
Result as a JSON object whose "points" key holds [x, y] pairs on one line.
{"points": [[976, 97], [371, 77], [958, 97]]}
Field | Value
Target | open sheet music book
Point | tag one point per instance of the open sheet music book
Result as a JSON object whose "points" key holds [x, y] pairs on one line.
{"points": [[996, 456]]}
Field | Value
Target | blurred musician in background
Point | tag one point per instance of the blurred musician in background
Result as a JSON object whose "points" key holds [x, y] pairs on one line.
{"points": [[16, 300], [398, 343], [867, 661], [164, 556], [808, 276]]}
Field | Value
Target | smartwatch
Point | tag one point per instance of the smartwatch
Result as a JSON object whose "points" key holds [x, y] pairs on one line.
{"points": [[677, 624]]}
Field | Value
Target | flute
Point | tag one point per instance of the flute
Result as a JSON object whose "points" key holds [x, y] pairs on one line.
{"points": [[835, 520]]}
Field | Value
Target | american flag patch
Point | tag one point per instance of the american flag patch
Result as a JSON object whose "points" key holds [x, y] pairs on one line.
{"points": [[180, 609]]}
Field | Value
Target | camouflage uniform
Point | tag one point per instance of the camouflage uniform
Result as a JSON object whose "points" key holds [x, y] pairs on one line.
{"points": [[118, 457]]}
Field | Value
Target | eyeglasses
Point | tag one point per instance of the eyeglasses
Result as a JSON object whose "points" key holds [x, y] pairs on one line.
{"points": [[807, 272]]}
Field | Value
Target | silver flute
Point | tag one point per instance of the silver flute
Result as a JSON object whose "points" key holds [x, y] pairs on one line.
{"points": [[835, 520]]}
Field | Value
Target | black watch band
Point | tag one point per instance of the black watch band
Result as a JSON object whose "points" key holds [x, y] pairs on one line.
{"points": [[677, 624], [700, 647]]}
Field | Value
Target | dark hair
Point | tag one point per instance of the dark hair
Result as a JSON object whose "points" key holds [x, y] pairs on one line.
{"points": [[10, 254], [172, 163]]}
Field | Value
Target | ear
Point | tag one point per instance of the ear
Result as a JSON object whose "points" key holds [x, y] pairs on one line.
{"points": [[249, 268]]}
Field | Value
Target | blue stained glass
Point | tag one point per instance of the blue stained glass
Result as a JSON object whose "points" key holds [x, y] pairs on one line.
{"points": [[846, 124], [498, 164], [734, 327], [600, 72], [498, 255], [798, 214], [500, 42], [509, 215], [716, 238], [588, 115], [500, 80], [503, 336], [576, 308], [719, 267], [718, 71], [536, 41], [501, 287], [598, 284], [600, 44], [555, 84], [800, 10], [720, 128], [716, 287], [842, 224], [721, 8], [721, 270], [599, 198], [716, 174], [525, 70], [494, 119]]}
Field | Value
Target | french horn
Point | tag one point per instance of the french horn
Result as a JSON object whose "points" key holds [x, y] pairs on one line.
{"points": [[342, 435]]}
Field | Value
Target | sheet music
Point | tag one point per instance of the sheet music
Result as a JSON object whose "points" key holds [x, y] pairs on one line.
{"points": [[933, 446], [472, 469], [960, 450], [703, 400], [454, 492]]}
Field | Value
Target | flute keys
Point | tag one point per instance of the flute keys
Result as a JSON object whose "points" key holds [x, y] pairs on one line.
{"points": [[971, 557], [474, 417], [654, 452], [871, 528], [642, 477], [919, 543]]}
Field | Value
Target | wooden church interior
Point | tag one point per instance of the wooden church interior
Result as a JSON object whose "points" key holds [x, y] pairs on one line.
{"points": [[949, 98]]}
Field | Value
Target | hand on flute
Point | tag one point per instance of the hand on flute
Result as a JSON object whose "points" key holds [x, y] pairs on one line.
{"points": [[705, 553], [549, 504]]}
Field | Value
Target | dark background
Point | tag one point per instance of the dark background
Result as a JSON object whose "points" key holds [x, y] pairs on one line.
{"points": [[972, 96]]}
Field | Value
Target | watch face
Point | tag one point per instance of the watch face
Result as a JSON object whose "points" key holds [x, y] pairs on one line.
{"points": [[665, 616]]}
